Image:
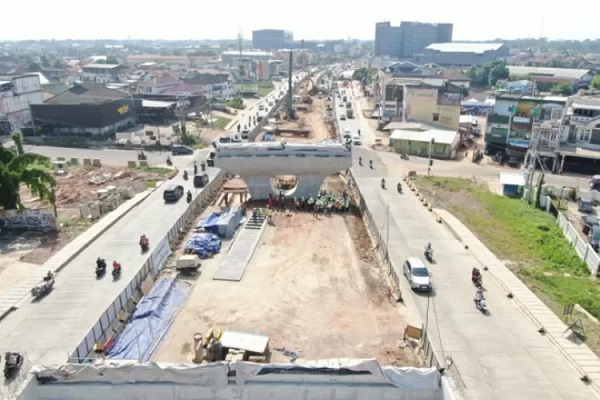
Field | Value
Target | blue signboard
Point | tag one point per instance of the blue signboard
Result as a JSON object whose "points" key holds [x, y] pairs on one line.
{"points": [[522, 143]]}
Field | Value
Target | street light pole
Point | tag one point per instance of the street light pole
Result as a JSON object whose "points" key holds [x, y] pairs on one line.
{"points": [[430, 163]]}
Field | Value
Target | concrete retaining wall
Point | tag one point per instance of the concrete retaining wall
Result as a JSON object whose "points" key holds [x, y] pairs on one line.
{"points": [[153, 265]]}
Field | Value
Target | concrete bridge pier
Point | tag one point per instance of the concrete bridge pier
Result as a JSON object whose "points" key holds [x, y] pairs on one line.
{"points": [[261, 186]]}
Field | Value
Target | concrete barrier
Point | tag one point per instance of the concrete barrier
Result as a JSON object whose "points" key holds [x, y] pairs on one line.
{"points": [[153, 265]]}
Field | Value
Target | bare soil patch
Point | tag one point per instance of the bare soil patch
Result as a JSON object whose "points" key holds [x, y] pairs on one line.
{"points": [[313, 286]]}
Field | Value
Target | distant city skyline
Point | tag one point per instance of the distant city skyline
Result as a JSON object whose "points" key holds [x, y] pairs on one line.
{"points": [[309, 20]]}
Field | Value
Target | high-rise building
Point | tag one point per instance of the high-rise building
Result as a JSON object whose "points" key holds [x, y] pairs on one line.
{"points": [[388, 40], [272, 39], [408, 39]]}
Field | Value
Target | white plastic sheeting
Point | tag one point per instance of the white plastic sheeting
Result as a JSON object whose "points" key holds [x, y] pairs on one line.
{"points": [[122, 372], [405, 378], [215, 375]]}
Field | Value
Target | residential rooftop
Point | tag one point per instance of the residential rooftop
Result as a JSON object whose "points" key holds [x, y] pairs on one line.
{"points": [[87, 93], [568, 73], [472, 47], [103, 66]]}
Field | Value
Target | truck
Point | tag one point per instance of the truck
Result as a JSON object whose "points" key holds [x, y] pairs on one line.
{"points": [[349, 113]]}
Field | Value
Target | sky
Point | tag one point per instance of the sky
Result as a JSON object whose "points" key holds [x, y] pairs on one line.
{"points": [[307, 19]]}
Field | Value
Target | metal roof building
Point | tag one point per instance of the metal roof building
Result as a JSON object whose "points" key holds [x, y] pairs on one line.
{"points": [[459, 54]]}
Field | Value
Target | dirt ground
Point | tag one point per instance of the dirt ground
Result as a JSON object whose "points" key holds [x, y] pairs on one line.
{"points": [[313, 286]]}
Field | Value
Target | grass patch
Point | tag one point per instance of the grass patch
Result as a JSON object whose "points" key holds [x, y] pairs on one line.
{"points": [[220, 122], [529, 238], [155, 170], [263, 88]]}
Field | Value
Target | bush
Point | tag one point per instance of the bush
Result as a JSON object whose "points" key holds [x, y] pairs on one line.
{"points": [[236, 103]]}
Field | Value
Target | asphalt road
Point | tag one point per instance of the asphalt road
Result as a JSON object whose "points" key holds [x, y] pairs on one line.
{"points": [[49, 330], [244, 116], [118, 158], [499, 356]]}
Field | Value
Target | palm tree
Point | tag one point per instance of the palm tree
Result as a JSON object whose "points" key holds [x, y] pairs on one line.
{"points": [[20, 168]]}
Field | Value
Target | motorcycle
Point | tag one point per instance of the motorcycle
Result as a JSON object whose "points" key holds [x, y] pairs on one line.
{"points": [[360, 161], [142, 157], [399, 188], [12, 364], [100, 271], [43, 288], [429, 254], [185, 175], [144, 245], [371, 164], [116, 273], [189, 197], [383, 183], [169, 162], [477, 281], [481, 305]]}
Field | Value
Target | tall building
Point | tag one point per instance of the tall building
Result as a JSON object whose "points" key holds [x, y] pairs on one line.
{"points": [[408, 39], [388, 40], [272, 39]]}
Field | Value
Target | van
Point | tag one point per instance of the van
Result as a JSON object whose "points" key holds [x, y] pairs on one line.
{"points": [[201, 180]]}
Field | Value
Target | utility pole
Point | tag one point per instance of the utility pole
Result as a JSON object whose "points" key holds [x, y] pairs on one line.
{"points": [[240, 49], [430, 162]]}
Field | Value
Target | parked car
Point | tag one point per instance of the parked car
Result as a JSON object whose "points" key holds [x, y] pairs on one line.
{"points": [[343, 117], [585, 206], [595, 237], [172, 193], [417, 274], [589, 222], [178, 149], [201, 180]]}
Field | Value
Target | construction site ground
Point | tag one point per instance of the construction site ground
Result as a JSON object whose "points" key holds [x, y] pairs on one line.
{"points": [[20, 252], [313, 286]]}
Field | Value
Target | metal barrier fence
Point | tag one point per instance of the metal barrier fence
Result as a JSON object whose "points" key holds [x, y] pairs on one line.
{"points": [[583, 248], [154, 264]]}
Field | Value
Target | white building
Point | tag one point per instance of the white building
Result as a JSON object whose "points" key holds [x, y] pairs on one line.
{"points": [[104, 73], [16, 94]]}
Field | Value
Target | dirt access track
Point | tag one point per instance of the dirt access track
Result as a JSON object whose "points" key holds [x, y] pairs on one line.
{"points": [[312, 286]]}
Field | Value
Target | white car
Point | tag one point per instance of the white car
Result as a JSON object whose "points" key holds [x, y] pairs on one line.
{"points": [[356, 140], [343, 117], [347, 134], [417, 274]]}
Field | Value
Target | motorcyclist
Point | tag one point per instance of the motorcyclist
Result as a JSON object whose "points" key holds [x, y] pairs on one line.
{"points": [[48, 276], [428, 250], [185, 175], [141, 155], [100, 263], [399, 187], [169, 162], [359, 160], [116, 266], [479, 297], [144, 241], [359, 132], [475, 274], [195, 168], [371, 164], [383, 183], [189, 195]]}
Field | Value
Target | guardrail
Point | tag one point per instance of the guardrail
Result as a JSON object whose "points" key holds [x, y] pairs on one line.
{"points": [[153, 265]]}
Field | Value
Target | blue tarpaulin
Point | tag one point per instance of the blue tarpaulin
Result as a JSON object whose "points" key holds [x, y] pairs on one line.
{"points": [[223, 223], [204, 244], [149, 322], [209, 224]]}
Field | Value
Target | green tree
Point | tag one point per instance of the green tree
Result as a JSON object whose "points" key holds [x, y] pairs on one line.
{"points": [[488, 74], [563, 89], [595, 82], [20, 168]]}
